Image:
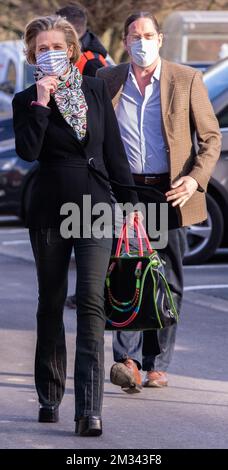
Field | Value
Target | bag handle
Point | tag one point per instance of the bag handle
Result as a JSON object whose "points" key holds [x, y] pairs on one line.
{"points": [[139, 237], [120, 241], [144, 235], [141, 234], [124, 238]]}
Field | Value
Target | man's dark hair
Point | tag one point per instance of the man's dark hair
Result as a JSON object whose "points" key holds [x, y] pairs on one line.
{"points": [[140, 14], [76, 14]]}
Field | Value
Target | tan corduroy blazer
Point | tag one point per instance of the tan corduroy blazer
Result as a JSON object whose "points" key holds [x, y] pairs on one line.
{"points": [[186, 112]]}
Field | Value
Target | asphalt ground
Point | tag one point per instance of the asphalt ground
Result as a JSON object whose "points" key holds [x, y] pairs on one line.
{"points": [[191, 413]]}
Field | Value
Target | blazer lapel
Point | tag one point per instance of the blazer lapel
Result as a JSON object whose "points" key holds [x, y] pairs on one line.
{"points": [[167, 85], [118, 75], [116, 80], [116, 98]]}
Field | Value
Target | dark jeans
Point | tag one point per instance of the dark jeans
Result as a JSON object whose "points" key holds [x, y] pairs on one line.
{"points": [[52, 255], [153, 350]]}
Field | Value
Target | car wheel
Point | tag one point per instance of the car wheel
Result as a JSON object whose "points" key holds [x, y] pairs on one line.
{"points": [[203, 239]]}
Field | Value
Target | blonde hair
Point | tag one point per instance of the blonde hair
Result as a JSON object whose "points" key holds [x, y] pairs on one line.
{"points": [[49, 23]]}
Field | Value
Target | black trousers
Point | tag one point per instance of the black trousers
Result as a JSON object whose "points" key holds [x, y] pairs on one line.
{"points": [[52, 255], [153, 350]]}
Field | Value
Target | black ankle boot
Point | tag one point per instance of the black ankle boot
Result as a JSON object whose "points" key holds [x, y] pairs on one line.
{"points": [[88, 426], [48, 414]]}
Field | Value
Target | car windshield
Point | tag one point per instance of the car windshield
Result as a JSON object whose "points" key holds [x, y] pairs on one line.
{"points": [[28, 75], [216, 79]]}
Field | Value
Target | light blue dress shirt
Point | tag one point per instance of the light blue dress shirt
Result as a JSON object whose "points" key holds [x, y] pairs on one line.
{"points": [[140, 124]]}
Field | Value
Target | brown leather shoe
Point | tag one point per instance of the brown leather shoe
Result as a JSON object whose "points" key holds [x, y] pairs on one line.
{"points": [[155, 378], [126, 374]]}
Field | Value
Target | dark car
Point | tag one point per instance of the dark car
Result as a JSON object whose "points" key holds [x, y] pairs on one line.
{"points": [[17, 176]]}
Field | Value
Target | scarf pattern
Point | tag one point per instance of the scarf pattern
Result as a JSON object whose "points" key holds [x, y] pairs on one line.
{"points": [[70, 100]]}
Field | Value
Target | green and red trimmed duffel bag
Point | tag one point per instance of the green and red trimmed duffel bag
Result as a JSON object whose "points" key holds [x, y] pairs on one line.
{"points": [[137, 294]]}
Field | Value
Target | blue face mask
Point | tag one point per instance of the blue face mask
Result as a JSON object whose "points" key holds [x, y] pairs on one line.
{"points": [[53, 62]]}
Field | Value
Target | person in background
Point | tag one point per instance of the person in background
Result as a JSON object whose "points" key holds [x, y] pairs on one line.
{"points": [[94, 54], [160, 107], [62, 121]]}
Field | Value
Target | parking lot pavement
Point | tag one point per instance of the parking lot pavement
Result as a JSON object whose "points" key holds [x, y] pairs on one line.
{"points": [[192, 412], [14, 241]]}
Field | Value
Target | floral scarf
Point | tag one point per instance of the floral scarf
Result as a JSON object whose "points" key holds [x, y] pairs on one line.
{"points": [[70, 100]]}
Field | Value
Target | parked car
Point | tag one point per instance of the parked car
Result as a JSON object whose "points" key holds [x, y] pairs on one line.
{"points": [[17, 176], [15, 73]]}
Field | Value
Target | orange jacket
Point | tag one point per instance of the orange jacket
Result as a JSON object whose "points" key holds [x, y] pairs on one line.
{"points": [[88, 55]]}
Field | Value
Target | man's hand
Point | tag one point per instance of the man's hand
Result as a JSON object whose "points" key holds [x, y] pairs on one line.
{"points": [[181, 191]]}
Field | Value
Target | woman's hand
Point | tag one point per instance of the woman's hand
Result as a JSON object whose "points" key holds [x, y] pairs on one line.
{"points": [[45, 86]]}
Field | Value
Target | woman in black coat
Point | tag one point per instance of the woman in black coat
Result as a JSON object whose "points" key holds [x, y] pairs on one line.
{"points": [[68, 124]]}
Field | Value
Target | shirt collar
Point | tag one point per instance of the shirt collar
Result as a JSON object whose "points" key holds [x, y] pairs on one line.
{"points": [[156, 74]]}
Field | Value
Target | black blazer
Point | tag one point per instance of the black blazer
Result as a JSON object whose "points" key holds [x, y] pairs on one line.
{"points": [[64, 174]]}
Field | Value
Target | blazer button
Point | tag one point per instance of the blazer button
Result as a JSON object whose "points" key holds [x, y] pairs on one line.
{"points": [[167, 150]]}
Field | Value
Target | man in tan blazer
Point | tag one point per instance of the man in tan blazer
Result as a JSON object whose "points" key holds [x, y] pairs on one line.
{"points": [[161, 106]]}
